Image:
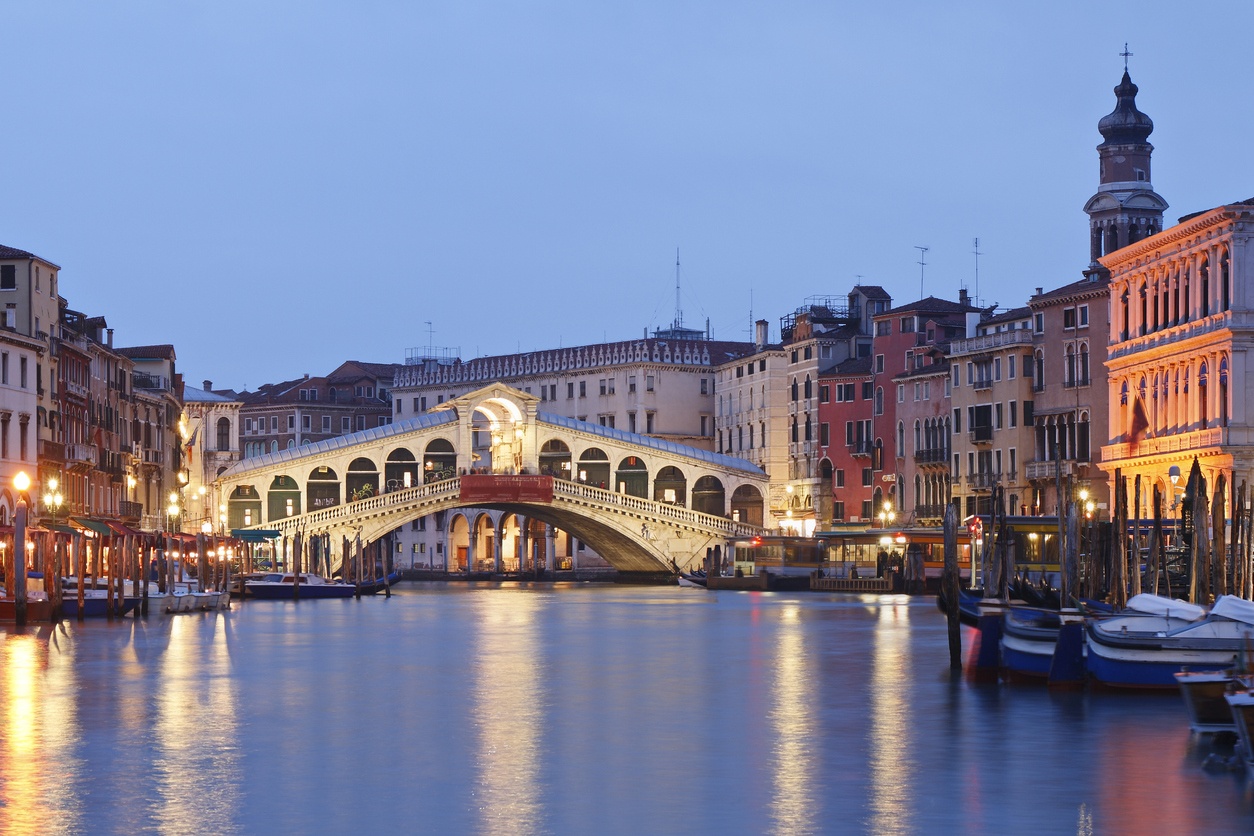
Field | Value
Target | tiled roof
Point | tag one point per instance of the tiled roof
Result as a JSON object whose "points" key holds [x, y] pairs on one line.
{"points": [[13, 252], [1082, 286], [1012, 315], [148, 352], [854, 365], [192, 395], [930, 304], [873, 292]]}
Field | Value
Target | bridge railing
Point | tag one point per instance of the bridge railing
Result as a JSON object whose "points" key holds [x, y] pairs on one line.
{"points": [[652, 507], [598, 496]]}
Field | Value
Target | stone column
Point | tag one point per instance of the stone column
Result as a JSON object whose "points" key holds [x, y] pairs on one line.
{"points": [[550, 552], [498, 535]]}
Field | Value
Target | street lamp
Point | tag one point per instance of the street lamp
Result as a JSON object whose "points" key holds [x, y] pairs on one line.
{"points": [[17, 583], [886, 515], [52, 499], [172, 512]]}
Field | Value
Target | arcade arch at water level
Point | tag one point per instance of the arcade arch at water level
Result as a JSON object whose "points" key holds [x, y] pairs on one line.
{"points": [[644, 504]]}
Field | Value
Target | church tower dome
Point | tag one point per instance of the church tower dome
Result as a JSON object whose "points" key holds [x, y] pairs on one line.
{"points": [[1126, 208]]}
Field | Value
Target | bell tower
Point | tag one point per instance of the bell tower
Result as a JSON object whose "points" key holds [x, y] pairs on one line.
{"points": [[1126, 208]]}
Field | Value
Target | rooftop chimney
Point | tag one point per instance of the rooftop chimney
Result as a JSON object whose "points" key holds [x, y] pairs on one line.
{"points": [[109, 332], [1039, 290], [760, 332], [963, 299], [208, 385]]}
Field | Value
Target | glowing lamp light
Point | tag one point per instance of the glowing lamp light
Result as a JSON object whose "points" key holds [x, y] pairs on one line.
{"points": [[21, 481]]}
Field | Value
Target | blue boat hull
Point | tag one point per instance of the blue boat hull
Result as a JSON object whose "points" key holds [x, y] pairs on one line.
{"points": [[95, 607], [285, 592]]}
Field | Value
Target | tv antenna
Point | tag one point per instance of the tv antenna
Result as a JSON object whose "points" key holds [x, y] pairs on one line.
{"points": [[679, 311], [922, 264], [977, 253]]}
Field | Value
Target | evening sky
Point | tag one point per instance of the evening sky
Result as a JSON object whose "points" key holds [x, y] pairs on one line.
{"points": [[275, 187]]}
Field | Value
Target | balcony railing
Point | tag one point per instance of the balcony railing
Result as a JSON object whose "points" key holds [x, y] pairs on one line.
{"points": [[861, 448], [51, 451], [80, 454], [130, 511], [985, 383], [1019, 336], [983, 481], [1173, 443], [923, 512], [932, 455], [1074, 382], [1047, 469], [982, 435]]}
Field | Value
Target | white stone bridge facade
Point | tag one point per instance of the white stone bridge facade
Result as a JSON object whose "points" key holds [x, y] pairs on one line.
{"points": [[644, 504]]}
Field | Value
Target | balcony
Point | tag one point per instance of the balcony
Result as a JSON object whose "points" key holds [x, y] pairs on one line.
{"points": [[981, 435], [130, 512], [143, 380], [861, 448], [1074, 382], [51, 452], [933, 455], [1046, 470], [1019, 336], [81, 456], [983, 481], [929, 512], [979, 385], [1174, 443]]}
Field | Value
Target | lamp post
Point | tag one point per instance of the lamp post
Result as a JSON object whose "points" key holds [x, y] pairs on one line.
{"points": [[21, 483], [52, 499], [886, 515]]}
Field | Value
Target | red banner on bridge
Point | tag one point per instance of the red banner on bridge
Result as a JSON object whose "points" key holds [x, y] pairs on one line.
{"points": [[491, 487]]}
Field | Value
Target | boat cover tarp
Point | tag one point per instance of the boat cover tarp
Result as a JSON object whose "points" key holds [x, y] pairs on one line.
{"points": [[1166, 607], [255, 535], [1238, 609]]}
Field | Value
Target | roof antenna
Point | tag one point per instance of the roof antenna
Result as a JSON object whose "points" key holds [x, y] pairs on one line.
{"points": [[679, 313], [977, 254], [922, 264]]}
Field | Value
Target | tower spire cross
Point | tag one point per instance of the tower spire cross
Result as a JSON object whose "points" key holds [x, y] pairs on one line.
{"points": [[1125, 55]]}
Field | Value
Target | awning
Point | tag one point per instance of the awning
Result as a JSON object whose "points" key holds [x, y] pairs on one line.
{"points": [[118, 528], [63, 529], [92, 525], [255, 535]]}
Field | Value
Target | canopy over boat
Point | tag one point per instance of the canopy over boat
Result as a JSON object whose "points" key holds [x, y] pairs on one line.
{"points": [[1238, 609], [1167, 607]]}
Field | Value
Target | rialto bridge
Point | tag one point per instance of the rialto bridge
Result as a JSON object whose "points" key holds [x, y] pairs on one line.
{"points": [[644, 504]]}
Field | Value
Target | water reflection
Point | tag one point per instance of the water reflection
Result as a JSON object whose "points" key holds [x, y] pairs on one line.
{"points": [[791, 719], [196, 763], [890, 730], [507, 712]]}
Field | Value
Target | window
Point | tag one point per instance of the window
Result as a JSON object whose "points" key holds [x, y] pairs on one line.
{"points": [[927, 390], [248, 425], [917, 390], [1039, 323], [879, 400], [956, 373], [1083, 315], [274, 423], [648, 383], [611, 384], [326, 423], [570, 390], [291, 422], [866, 390], [825, 435], [583, 388], [345, 424], [1010, 366], [648, 421], [602, 382], [4, 368], [997, 414], [840, 477], [866, 509], [907, 325], [1068, 318], [901, 393], [883, 328], [879, 363], [868, 477], [838, 510], [21, 372], [306, 422], [8, 277], [825, 393]]}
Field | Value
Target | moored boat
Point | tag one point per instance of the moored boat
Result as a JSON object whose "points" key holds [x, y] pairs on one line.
{"points": [[96, 604], [1028, 639], [280, 586], [693, 580], [376, 585], [1146, 650], [1204, 693]]}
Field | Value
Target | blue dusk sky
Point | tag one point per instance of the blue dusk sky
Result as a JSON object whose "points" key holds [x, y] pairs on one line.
{"points": [[275, 187]]}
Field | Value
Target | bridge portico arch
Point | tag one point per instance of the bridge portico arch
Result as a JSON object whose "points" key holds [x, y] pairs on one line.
{"points": [[641, 502]]}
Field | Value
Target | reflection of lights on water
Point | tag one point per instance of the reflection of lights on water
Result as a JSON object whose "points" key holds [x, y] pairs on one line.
{"points": [[507, 706], [792, 793], [890, 729]]}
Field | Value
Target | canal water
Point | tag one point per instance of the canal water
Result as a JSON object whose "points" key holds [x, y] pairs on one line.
{"points": [[573, 709]]}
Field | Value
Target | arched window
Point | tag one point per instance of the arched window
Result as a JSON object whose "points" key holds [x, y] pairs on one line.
{"points": [[1184, 297], [1203, 273], [1223, 392], [1225, 283], [807, 387], [809, 435], [901, 438], [794, 429], [1202, 405], [1144, 309], [1123, 306], [1084, 364], [794, 389], [879, 400], [918, 438], [223, 428], [1069, 367]]}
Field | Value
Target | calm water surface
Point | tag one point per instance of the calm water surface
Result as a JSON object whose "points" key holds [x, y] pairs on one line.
{"points": [[573, 709]]}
